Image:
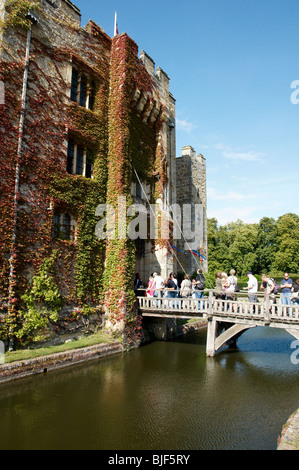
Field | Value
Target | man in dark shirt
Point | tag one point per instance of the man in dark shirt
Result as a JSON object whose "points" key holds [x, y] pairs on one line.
{"points": [[170, 287], [286, 286], [199, 285]]}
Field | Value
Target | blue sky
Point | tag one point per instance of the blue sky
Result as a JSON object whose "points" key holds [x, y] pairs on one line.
{"points": [[231, 64]]}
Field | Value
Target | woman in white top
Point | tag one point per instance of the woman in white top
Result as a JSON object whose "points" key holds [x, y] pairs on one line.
{"points": [[231, 284], [186, 286], [224, 285]]}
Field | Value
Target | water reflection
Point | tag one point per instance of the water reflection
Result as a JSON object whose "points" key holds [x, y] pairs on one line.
{"points": [[161, 396]]}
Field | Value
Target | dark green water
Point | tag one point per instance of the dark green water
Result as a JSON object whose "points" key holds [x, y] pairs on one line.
{"points": [[165, 395]]}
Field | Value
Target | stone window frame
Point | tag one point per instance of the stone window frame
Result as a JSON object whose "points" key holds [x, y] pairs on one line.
{"points": [[78, 160], [82, 87], [64, 226]]}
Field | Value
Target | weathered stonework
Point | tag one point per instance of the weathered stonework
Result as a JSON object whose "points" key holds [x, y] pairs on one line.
{"points": [[191, 189], [90, 134]]}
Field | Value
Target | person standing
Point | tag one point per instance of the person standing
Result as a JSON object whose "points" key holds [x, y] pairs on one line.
{"points": [[286, 285], [218, 285], [224, 278], [185, 290], [267, 285], [231, 284], [151, 287], [137, 284], [252, 287], [177, 291], [159, 283], [170, 286], [295, 293], [199, 285]]}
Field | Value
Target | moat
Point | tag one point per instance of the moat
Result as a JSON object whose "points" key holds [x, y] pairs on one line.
{"points": [[164, 395]]}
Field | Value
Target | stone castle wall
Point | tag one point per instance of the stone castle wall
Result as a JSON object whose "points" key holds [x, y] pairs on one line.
{"points": [[51, 188], [58, 45], [191, 190]]}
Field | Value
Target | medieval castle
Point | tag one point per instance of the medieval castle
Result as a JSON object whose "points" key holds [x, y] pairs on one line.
{"points": [[86, 122]]}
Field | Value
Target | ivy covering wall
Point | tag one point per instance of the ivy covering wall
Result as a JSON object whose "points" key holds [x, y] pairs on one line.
{"points": [[50, 273]]}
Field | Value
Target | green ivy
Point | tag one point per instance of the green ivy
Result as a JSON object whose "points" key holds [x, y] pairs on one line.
{"points": [[42, 301], [117, 138], [16, 13], [142, 148]]}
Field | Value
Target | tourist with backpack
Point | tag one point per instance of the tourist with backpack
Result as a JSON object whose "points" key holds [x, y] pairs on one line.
{"points": [[270, 287], [199, 285]]}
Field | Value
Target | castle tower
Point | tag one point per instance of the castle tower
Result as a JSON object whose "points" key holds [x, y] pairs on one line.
{"points": [[192, 200]]}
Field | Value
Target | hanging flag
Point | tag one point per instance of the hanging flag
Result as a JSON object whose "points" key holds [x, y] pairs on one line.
{"points": [[176, 249], [115, 25], [196, 253]]}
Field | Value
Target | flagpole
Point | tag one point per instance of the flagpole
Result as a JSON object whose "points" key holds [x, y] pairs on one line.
{"points": [[115, 24]]}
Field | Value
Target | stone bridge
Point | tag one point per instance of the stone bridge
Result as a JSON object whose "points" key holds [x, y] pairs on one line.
{"points": [[227, 319]]}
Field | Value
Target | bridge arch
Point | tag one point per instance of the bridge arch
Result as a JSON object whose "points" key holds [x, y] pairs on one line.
{"points": [[231, 335], [217, 338]]}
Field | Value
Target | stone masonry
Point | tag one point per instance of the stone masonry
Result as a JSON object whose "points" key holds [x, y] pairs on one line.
{"points": [[191, 189], [67, 137]]}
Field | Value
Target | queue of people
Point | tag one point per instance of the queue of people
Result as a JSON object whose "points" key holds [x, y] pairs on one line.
{"points": [[289, 289], [226, 287], [159, 287]]}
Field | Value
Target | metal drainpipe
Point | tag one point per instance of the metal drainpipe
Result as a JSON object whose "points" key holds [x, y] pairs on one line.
{"points": [[171, 127], [33, 21]]}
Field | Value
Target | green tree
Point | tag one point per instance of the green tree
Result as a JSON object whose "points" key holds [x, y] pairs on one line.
{"points": [[287, 254], [266, 244], [217, 246], [242, 254]]}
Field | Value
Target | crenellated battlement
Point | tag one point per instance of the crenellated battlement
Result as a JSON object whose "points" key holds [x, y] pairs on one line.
{"points": [[63, 6]]}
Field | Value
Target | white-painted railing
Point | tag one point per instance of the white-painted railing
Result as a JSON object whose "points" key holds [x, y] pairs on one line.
{"points": [[173, 304], [240, 308]]}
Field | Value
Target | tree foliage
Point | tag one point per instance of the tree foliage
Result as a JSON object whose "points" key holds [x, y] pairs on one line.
{"points": [[271, 245]]}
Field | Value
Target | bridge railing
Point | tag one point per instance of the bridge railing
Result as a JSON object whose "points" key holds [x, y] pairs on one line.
{"points": [[240, 307], [172, 303]]}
